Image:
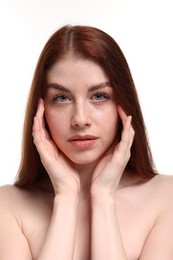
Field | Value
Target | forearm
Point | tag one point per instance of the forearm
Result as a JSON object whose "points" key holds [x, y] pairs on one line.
{"points": [[106, 241], [60, 238]]}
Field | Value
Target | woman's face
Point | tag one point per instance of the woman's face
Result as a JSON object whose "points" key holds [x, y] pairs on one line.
{"points": [[80, 109]]}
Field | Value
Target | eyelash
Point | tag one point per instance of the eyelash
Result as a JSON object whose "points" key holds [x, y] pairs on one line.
{"points": [[59, 96], [103, 96]]}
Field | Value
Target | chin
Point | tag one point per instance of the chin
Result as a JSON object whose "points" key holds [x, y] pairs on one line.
{"points": [[84, 160]]}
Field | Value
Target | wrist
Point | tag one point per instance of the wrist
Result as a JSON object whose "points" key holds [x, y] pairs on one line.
{"points": [[66, 197], [65, 191], [101, 199], [102, 193], [103, 204]]}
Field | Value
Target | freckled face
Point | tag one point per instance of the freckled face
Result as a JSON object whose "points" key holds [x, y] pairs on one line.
{"points": [[80, 109]]}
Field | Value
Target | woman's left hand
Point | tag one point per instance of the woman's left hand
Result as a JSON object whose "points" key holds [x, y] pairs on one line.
{"points": [[110, 168]]}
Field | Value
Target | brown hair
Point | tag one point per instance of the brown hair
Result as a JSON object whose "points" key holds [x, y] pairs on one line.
{"points": [[93, 44]]}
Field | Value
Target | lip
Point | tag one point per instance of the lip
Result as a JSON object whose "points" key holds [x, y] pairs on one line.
{"points": [[82, 137], [83, 141]]}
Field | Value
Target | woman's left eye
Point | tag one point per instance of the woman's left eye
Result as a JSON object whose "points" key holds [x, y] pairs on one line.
{"points": [[100, 96]]}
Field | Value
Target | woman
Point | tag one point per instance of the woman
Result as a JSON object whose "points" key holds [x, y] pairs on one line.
{"points": [[87, 187]]}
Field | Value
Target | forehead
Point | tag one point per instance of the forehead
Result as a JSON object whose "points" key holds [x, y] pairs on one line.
{"points": [[69, 71]]}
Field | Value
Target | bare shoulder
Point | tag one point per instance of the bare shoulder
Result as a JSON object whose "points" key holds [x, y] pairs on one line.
{"points": [[11, 226], [155, 195], [6, 190], [25, 204], [163, 184], [13, 201], [151, 226], [24, 218], [158, 244], [10, 195], [13, 197], [158, 189], [163, 179]]}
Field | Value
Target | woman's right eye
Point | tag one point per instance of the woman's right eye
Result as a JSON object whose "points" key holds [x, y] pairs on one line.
{"points": [[61, 99]]}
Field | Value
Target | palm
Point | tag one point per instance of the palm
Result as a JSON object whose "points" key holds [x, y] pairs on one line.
{"points": [[109, 170], [60, 170], [104, 175]]}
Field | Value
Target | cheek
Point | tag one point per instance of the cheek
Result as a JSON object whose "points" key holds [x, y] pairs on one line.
{"points": [[56, 124], [111, 130], [111, 126], [110, 120]]}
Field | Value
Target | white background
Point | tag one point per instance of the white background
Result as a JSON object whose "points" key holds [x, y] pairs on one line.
{"points": [[142, 28]]}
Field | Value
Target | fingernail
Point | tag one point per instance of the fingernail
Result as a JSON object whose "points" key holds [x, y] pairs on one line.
{"points": [[40, 100]]}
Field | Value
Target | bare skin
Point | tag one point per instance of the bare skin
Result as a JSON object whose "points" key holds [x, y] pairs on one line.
{"points": [[88, 207], [139, 208]]}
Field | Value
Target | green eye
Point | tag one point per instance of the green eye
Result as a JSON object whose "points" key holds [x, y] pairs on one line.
{"points": [[61, 99], [100, 96]]}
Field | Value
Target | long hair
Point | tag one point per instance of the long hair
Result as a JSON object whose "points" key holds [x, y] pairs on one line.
{"points": [[93, 44]]}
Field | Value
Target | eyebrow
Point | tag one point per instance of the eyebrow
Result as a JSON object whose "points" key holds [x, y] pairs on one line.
{"points": [[91, 88]]}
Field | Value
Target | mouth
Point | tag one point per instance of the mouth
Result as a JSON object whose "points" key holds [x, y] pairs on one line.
{"points": [[82, 137], [83, 141]]}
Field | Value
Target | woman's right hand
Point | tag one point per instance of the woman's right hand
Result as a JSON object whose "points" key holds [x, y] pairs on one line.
{"points": [[64, 177]]}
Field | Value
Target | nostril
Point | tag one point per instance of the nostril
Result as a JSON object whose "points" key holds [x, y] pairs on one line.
{"points": [[81, 120]]}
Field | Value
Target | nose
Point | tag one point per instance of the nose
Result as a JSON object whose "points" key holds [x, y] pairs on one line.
{"points": [[81, 116]]}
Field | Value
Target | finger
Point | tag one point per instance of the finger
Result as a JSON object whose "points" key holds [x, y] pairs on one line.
{"points": [[122, 114], [125, 137], [132, 136], [39, 130], [122, 151], [42, 141], [128, 133], [40, 108], [40, 112], [40, 117], [126, 124], [36, 132]]}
